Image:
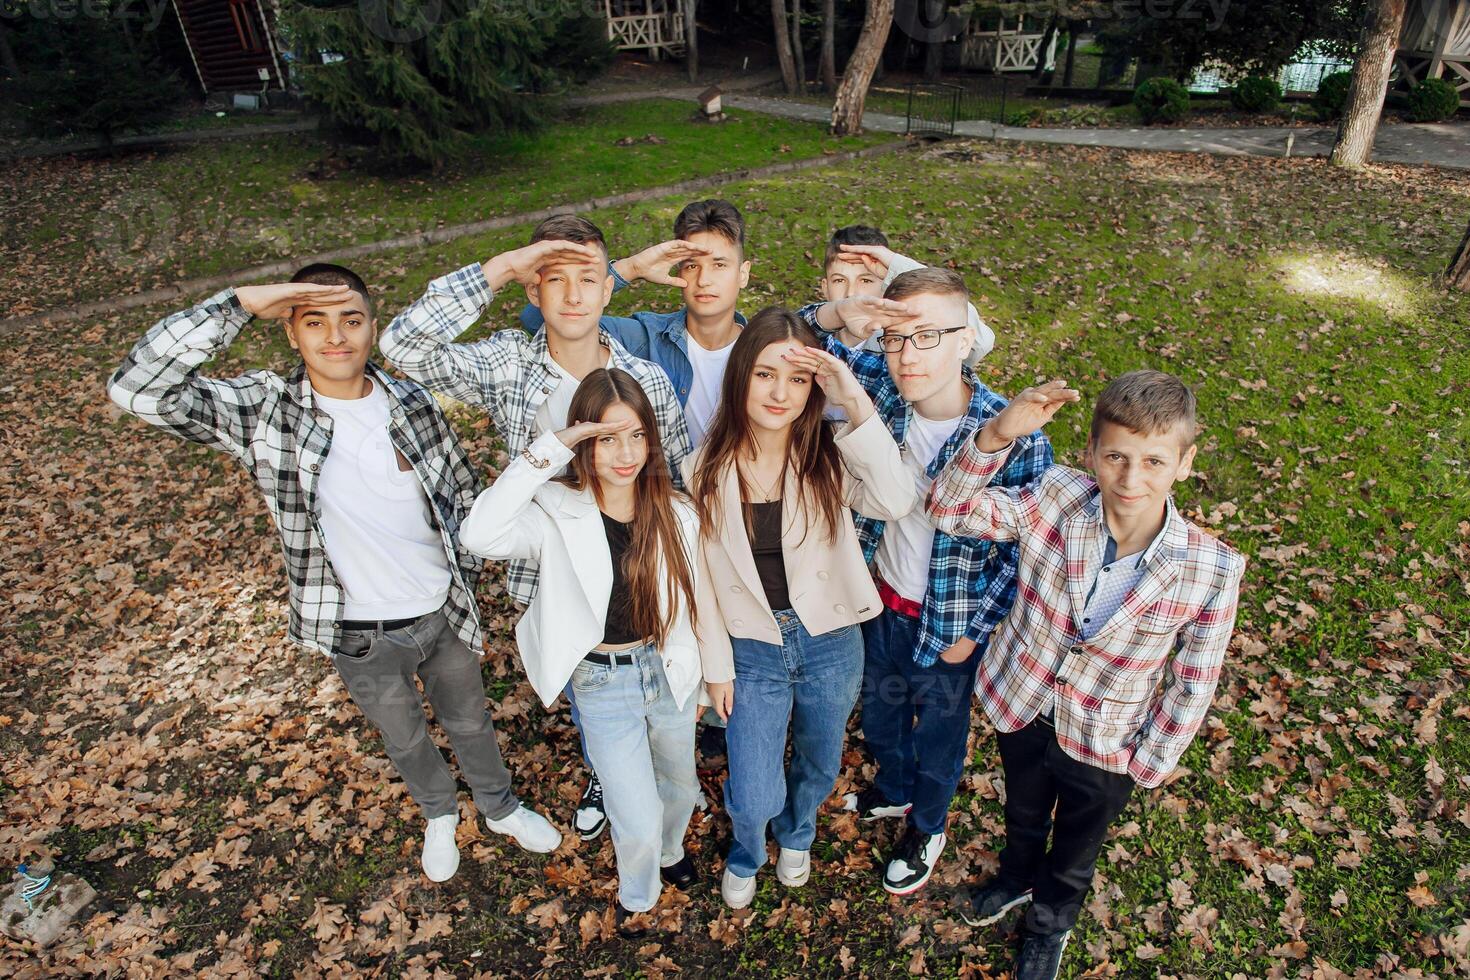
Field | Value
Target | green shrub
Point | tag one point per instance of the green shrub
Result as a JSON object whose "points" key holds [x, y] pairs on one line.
{"points": [[1331, 96], [1161, 100], [1432, 100], [1256, 93]]}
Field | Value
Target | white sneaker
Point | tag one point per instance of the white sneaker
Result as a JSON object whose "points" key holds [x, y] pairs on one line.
{"points": [[794, 868], [737, 892], [530, 829], [441, 854]]}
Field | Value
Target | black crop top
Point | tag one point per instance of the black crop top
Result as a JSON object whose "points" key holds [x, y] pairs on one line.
{"points": [[617, 629], [765, 547]]}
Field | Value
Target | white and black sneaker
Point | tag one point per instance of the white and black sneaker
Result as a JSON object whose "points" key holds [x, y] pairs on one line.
{"points": [[913, 862], [591, 818], [871, 804], [987, 904]]}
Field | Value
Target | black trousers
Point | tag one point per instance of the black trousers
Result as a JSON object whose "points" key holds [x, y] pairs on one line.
{"points": [[1040, 779]]}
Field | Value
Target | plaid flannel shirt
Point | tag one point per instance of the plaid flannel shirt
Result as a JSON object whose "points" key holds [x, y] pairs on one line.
{"points": [[972, 583], [1131, 696], [269, 424], [509, 374]]}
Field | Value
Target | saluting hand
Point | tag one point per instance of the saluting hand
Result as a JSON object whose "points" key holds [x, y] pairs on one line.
{"points": [[1027, 412], [836, 380], [524, 264], [277, 300], [574, 434], [875, 258], [653, 263]]}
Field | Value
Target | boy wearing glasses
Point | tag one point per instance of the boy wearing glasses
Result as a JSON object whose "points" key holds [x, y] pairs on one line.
{"points": [[942, 594]]}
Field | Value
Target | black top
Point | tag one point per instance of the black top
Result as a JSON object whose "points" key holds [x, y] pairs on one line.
{"points": [[617, 628], [765, 547]]}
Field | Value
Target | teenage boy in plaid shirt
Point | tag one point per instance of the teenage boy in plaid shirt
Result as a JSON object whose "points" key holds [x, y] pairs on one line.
{"points": [[367, 485], [1107, 664], [526, 381], [942, 594]]}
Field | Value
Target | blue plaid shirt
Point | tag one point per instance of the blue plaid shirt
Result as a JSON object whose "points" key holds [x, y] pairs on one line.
{"points": [[972, 583]]}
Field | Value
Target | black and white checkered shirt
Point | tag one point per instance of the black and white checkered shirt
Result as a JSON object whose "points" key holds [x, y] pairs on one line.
{"points": [[268, 423], [509, 374]]}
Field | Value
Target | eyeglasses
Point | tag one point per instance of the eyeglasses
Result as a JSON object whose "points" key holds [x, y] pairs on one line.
{"points": [[892, 343]]}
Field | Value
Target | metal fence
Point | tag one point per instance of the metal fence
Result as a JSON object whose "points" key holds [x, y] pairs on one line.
{"points": [[935, 107]]}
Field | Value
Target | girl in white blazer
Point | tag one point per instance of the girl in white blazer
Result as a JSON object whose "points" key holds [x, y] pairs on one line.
{"points": [[615, 612]]}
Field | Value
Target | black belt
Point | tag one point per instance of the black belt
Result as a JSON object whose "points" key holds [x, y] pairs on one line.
{"points": [[602, 659], [373, 625]]}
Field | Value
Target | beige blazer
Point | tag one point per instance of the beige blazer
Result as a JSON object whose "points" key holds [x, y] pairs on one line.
{"points": [[828, 581]]}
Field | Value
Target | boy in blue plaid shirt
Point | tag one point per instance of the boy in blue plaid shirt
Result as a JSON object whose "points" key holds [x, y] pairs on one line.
{"points": [[942, 594]]}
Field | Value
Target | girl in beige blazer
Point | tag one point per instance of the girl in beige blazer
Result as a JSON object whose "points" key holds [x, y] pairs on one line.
{"points": [[773, 483]]}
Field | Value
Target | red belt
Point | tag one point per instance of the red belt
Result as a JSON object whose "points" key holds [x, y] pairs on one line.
{"points": [[896, 602]]}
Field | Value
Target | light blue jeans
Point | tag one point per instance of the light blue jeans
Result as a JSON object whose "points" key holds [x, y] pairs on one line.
{"points": [[642, 748], [809, 684]]}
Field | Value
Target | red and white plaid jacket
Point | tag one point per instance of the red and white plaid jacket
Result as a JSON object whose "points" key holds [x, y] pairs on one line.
{"points": [[1131, 697]]}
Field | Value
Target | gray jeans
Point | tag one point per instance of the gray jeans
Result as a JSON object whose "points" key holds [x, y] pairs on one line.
{"points": [[378, 669]]}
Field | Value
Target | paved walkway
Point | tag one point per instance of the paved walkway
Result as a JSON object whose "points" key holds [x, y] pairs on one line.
{"points": [[1436, 144]]}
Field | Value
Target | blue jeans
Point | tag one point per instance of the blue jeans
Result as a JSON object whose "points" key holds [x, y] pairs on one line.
{"points": [[642, 747], [811, 683], [916, 720]]}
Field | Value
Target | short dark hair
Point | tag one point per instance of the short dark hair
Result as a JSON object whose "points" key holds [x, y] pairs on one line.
{"points": [[717, 216], [1147, 402], [568, 228], [327, 274], [935, 280], [852, 235]]}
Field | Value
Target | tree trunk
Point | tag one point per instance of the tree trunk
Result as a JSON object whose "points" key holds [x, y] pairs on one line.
{"points": [[1073, 26], [1046, 38], [827, 66], [847, 107], [691, 40], [797, 51], [934, 15], [783, 46], [1458, 274], [1371, 68], [7, 56]]}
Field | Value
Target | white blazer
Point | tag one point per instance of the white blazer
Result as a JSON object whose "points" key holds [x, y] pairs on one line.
{"points": [[525, 515]]}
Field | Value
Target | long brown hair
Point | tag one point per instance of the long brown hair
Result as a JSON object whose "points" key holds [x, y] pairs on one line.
{"points": [[655, 529], [812, 451]]}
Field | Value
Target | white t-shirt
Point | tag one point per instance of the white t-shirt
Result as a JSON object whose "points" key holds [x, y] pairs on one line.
{"points": [[903, 551], [552, 415], [704, 391], [379, 535]]}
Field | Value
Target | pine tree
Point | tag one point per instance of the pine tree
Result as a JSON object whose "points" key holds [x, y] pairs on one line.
{"points": [[421, 76]]}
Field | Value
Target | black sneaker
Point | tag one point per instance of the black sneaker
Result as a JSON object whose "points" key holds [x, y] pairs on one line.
{"points": [[681, 874], [1041, 956], [989, 903], [591, 819], [913, 862], [871, 804], [621, 916]]}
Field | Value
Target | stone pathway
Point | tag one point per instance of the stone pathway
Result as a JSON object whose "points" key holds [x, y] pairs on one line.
{"points": [[1437, 144]]}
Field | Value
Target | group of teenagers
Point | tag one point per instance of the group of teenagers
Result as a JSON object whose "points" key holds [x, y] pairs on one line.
{"points": [[763, 521]]}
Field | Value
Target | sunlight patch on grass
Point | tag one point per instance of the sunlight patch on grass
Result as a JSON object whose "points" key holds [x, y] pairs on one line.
{"points": [[1347, 277]]}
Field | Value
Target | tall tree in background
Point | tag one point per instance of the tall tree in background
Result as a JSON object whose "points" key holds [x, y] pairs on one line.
{"points": [[691, 40], [847, 108], [827, 66], [783, 46], [420, 76], [1458, 274], [1371, 69], [798, 50], [933, 46], [1047, 37]]}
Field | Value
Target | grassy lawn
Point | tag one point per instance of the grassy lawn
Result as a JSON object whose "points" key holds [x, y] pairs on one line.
{"points": [[90, 228], [1322, 828]]}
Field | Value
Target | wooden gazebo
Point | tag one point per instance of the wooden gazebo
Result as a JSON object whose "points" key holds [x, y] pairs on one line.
{"points": [[1435, 43], [998, 41], [655, 26]]}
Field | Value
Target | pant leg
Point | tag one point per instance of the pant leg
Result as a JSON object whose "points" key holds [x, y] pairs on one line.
{"points": [[577, 724], [612, 717], [456, 688], [671, 743], [887, 713], [941, 695], [1088, 800], [1031, 795], [828, 676], [755, 789], [378, 670]]}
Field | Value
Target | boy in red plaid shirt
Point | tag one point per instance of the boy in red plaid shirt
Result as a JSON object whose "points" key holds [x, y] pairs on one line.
{"points": [[1107, 664]]}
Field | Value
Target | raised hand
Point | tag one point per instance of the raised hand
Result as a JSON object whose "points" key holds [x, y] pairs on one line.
{"points": [[875, 258], [1027, 412], [652, 264], [859, 317], [836, 380], [524, 264], [574, 434], [277, 300]]}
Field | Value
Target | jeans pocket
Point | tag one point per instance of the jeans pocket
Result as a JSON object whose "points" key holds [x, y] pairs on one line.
{"points": [[591, 677], [354, 645]]}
